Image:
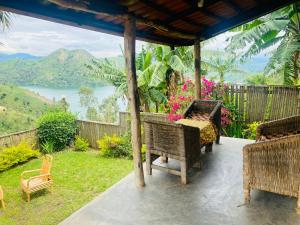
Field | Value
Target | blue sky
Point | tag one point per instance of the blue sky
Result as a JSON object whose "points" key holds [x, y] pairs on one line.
{"points": [[40, 37]]}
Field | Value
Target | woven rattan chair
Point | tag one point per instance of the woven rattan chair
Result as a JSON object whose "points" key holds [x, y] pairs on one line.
{"points": [[39, 182], [206, 110], [273, 162], [173, 141], [2, 198]]}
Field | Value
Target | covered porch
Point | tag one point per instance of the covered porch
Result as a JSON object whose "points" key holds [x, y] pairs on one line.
{"points": [[214, 196]]}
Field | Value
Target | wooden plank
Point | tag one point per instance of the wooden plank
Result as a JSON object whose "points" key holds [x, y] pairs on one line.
{"points": [[197, 59], [133, 98]]}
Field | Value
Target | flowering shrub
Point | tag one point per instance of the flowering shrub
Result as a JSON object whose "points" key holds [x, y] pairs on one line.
{"points": [[225, 117], [210, 90], [207, 88], [178, 103]]}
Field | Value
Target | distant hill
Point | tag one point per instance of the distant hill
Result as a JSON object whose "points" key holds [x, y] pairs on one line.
{"points": [[19, 109], [63, 68], [6, 57]]}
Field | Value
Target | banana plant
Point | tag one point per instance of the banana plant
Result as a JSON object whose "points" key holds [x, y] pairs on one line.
{"points": [[277, 33]]}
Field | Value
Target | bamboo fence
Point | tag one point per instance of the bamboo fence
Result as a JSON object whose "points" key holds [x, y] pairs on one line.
{"points": [[264, 103]]}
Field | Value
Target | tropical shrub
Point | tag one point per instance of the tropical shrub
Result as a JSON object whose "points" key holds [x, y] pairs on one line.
{"points": [[250, 131], [81, 144], [15, 155], [118, 146], [110, 146], [57, 127], [47, 147]]}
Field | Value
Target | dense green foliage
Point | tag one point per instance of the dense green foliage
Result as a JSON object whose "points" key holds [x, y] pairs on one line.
{"points": [[110, 146], [62, 68], [47, 147], [19, 109], [58, 128], [78, 177], [221, 63], [81, 144], [15, 155], [117, 146], [279, 29], [250, 131]]}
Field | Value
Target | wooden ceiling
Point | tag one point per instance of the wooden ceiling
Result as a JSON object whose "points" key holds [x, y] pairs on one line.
{"points": [[170, 22]]}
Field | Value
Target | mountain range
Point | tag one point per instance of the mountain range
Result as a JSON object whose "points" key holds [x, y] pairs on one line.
{"points": [[67, 69], [61, 69]]}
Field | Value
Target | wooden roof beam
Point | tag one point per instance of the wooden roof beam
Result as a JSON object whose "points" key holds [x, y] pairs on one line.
{"points": [[111, 9], [243, 18], [193, 9], [164, 10], [233, 5]]}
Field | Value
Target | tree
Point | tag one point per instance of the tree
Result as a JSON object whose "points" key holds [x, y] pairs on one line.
{"points": [[5, 21], [221, 63], [278, 33], [109, 71], [106, 111]]}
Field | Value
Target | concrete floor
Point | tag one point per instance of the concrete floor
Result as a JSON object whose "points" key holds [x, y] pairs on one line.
{"points": [[213, 197]]}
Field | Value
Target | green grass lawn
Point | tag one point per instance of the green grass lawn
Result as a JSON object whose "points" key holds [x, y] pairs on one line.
{"points": [[78, 178]]}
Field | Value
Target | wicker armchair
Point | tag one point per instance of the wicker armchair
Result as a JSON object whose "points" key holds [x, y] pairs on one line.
{"points": [[273, 162], [171, 141], [206, 110], [39, 182], [278, 128], [2, 198]]}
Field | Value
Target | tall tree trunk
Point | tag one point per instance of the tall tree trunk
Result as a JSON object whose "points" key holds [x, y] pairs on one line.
{"points": [[133, 97]]}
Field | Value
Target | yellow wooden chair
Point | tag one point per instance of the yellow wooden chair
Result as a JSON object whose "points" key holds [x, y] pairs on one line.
{"points": [[36, 183], [1, 198]]}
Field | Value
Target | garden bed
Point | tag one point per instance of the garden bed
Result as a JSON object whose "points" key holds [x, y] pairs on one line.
{"points": [[78, 178]]}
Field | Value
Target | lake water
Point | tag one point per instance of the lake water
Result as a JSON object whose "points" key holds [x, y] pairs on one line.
{"points": [[73, 98]]}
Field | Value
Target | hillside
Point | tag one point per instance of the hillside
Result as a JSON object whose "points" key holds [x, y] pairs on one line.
{"points": [[19, 109], [63, 68]]}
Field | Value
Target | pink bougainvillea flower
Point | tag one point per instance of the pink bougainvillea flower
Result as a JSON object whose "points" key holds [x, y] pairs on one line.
{"points": [[176, 106], [182, 98], [184, 87], [171, 117], [178, 117]]}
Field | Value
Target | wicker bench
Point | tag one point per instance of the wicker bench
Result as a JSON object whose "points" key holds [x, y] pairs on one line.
{"points": [[206, 110], [273, 162], [173, 141]]}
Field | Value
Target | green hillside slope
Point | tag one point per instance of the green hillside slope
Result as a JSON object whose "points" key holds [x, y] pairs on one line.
{"points": [[19, 109], [63, 68]]}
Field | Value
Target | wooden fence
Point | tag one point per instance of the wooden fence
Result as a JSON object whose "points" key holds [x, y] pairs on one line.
{"points": [[264, 103], [93, 130], [254, 103], [15, 138]]}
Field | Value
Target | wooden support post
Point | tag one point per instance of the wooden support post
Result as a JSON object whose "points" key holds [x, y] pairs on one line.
{"points": [[197, 58], [133, 97]]}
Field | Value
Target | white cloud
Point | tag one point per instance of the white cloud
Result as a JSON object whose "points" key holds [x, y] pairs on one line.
{"points": [[39, 37]]}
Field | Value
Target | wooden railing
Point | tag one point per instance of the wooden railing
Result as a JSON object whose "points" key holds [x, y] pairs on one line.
{"points": [[264, 103]]}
